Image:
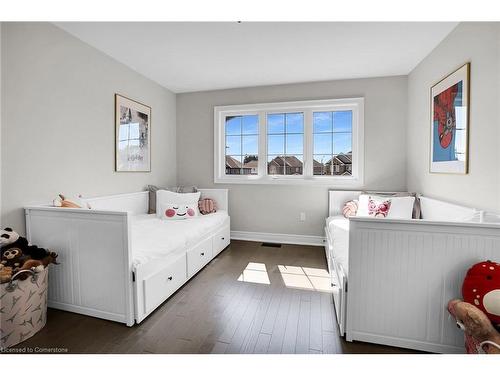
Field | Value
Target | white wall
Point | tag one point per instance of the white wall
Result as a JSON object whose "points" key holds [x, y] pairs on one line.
{"points": [[479, 44], [58, 120], [276, 208]]}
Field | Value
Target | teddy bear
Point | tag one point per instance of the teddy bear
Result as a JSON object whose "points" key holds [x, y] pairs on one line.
{"points": [[480, 335]]}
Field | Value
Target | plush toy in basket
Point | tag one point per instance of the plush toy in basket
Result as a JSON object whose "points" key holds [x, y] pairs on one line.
{"points": [[23, 288], [479, 313]]}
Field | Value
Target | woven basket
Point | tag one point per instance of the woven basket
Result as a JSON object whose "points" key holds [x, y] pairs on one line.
{"points": [[23, 307]]}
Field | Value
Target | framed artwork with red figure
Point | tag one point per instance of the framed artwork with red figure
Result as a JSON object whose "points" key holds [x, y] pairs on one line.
{"points": [[450, 123]]}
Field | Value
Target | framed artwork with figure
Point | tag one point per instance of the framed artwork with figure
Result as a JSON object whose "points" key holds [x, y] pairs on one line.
{"points": [[133, 135], [450, 123]]}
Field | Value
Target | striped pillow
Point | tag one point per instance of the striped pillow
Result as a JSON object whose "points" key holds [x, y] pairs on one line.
{"points": [[207, 206]]}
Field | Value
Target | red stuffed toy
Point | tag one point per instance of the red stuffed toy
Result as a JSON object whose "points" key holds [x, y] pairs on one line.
{"points": [[479, 314], [481, 288]]}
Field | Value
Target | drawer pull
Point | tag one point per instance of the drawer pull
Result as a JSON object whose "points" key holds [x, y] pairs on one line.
{"points": [[170, 278], [202, 254]]}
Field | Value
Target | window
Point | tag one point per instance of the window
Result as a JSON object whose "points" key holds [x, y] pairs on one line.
{"points": [[241, 150], [285, 144], [332, 143], [317, 141]]}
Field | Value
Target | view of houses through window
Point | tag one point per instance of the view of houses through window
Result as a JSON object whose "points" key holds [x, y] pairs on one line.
{"points": [[332, 144], [285, 143], [242, 140]]}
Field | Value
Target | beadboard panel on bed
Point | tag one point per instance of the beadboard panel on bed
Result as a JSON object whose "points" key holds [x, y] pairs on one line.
{"points": [[402, 275], [93, 248]]}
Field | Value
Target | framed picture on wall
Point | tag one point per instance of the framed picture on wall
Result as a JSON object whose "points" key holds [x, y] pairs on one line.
{"points": [[133, 135], [450, 123]]}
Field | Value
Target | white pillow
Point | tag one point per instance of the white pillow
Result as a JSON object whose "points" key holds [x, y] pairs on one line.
{"points": [[169, 197], [176, 211], [400, 207]]}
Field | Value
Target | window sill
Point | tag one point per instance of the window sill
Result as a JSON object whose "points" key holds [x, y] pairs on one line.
{"points": [[347, 182]]}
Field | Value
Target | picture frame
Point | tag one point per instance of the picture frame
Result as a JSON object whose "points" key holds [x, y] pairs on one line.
{"points": [[449, 142], [132, 135]]}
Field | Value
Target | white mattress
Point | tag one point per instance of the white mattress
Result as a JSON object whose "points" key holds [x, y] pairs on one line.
{"points": [[154, 238], [338, 227]]}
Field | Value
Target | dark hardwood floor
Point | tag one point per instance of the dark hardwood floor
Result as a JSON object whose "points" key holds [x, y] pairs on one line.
{"points": [[250, 299]]}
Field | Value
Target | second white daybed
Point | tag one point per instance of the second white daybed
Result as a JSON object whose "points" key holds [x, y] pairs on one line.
{"points": [[392, 279], [119, 263]]}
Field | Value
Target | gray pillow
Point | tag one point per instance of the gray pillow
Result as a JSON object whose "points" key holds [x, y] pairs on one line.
{"points": [[176, 189]]}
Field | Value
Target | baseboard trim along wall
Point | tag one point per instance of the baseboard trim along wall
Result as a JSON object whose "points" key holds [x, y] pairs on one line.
{"points": [[295, 239]]}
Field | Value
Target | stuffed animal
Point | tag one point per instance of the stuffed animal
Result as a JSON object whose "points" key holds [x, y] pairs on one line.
{"points": [[62, 201], [5, 274], [10, 239], [51, 258], [481, 288], [32, 264], [13, 257], [17, 255], [480, 335]]}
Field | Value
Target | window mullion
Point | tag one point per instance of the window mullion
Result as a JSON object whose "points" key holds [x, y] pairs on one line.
{"points": [[308, 146], [262, 165]]}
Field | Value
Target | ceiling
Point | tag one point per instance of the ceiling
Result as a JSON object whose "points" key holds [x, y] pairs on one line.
{"points": [[199, 56]]}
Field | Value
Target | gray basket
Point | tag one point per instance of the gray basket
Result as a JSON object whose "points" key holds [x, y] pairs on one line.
{"points": [[23, 307]]}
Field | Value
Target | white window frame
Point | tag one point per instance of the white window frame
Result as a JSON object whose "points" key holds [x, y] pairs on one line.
{"points": [[356, 105]]}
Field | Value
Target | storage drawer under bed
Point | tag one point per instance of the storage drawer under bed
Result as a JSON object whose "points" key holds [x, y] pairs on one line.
{"points": [[199, 256], [161, 285], [221, 240]]}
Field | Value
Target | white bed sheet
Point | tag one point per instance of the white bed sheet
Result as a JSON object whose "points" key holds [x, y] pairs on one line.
{"points": [[154, 238], [338, 227]]}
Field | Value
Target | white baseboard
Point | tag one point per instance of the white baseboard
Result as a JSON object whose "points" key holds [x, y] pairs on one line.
{"points": [[295, 239]]}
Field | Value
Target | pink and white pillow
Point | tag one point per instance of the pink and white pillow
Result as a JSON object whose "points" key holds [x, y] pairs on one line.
{"points": [[350, 208], [377, 208], [178, 211], [207, 206], [371, 205]]}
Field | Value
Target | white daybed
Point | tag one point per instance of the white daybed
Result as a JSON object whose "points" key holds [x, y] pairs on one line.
{"points": [[392, 279], [119, 263]]}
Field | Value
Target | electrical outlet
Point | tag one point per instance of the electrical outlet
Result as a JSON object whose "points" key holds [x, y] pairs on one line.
{"points": [[302, 216]]}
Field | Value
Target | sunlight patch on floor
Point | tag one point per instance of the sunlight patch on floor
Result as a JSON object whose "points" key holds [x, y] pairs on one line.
{"points": [[255, 273], [305, 278]]}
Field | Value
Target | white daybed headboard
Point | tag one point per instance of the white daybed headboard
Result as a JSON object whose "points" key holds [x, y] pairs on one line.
{"points": [[138, 203], [437, 210], [220, 196], [337, 199], [135, 203], [431, 209]]}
